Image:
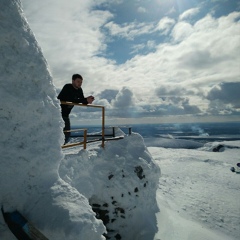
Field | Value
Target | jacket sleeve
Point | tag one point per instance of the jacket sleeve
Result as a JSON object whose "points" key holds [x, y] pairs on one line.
{"points": [[81, 98], [67, 94]]}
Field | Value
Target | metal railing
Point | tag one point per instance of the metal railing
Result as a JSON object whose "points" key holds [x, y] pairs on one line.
{"points": [[84, 143]]}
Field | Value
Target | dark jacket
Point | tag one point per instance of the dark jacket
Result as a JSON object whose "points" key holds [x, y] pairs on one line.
{"points": [[70, 94]]}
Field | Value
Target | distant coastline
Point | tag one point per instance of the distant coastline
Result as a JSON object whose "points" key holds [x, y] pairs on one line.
{"points": [[195, 131]]}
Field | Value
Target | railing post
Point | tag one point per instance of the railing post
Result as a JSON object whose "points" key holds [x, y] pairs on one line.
{"points": [[130, 131], [85, 139], [103, 126]]}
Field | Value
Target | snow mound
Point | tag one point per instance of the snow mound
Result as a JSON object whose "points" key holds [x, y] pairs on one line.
{"points": [[120, 182]]}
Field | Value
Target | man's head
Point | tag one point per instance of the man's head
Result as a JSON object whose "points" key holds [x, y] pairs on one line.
{"points": [[77, 81]]}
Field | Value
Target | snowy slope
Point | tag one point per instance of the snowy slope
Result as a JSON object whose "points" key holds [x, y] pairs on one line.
{"points": [[199, 197]]}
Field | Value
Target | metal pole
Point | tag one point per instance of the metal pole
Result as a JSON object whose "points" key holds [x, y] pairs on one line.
{"points": [[103, 125], [85, 139]]}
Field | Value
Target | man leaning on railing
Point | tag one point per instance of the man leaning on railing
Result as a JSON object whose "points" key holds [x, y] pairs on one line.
{"points": [[72, 92]]}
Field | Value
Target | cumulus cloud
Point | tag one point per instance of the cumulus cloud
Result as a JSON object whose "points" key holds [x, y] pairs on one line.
{"points": [[108, 94], [177, 100], [181, 31], [172, 91], [226, 94], [124, 98]]}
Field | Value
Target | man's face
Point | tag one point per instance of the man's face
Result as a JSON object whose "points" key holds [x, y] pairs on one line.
{"points": [[77, 83]]}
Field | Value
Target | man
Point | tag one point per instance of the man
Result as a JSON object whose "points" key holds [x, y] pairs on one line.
{"points": [[72, 92]]}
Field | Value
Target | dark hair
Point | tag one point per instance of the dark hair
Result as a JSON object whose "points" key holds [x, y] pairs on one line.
{"points": [[75, 76]]}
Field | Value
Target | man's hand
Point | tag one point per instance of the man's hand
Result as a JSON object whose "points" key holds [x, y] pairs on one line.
{"points": [[90, 99]]}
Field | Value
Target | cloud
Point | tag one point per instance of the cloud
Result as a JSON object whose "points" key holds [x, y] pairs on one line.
{"points": [[68, 33], [191, 55], [176, 100], [129, 30], [181, 31], [189, 13], [124, 98], [108, 94], [142, 10], [172, 91], [165, 25], [149, 45], [226, 93]]}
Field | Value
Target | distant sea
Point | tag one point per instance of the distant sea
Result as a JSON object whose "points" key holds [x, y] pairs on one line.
{"points": [[201, 132]]}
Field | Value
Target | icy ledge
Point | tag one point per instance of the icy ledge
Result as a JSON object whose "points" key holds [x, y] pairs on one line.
{"points": [[120, 183]]}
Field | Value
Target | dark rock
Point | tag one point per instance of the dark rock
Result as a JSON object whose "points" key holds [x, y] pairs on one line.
{"points": [[118, 209], [102, 214], [139, 171], [110, 176], [218, 148], [95, 205], [118, 236]]}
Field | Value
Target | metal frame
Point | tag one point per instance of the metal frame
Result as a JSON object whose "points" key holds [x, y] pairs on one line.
{"points": [[85, 131]]}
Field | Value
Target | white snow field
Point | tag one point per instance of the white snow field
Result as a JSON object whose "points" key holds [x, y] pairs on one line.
{"points": [[198, 195]]}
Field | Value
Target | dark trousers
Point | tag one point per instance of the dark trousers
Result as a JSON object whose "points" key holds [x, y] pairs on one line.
{"points": [[66, 128]]}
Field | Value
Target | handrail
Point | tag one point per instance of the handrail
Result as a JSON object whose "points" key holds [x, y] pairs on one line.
{"points": [[93, 106], [78, 143]]}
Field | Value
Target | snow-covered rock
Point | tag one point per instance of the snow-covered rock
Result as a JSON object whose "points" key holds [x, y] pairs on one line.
{"points": [[120, 182]]}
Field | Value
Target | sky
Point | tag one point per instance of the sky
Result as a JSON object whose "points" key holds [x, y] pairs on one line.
{"points": [[146, 61]]}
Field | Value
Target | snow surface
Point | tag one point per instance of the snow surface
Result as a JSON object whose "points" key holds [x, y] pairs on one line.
{"points": [[196, 197]]}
